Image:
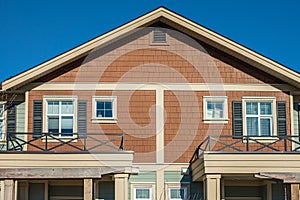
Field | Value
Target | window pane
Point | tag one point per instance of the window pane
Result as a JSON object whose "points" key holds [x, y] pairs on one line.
{"points": [[177, 193], [100, 105], [142, 193], [67, 107], [252, 126], [108, 113], [265, 108], [67, 124], [252, 108], [53, 124], [265, 127], [215, 110], [104, 109], [53, 107]]}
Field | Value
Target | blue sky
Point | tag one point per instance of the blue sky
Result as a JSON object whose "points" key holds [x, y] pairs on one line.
{"points": [[34, 31]]}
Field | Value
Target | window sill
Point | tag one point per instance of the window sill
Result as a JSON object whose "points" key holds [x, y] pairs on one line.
{"points": [[215, 121], [104, 121], [64, 139], [266, 139]]}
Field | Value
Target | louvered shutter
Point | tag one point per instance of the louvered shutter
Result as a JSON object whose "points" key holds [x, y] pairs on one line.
{"points": [[11, 120], [82, 117], [281, 118], [37, 118], [237, 119], [159, 36]]}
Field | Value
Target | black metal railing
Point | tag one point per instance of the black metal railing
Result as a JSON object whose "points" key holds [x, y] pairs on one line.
{"points": [[248, 144], [79, 142]]}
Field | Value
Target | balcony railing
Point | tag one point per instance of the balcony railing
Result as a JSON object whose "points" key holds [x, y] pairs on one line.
{"points": [[76, 142], [258, 144]]}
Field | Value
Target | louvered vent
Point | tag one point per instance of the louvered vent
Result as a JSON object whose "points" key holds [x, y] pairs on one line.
{"points": [[159, 36]]}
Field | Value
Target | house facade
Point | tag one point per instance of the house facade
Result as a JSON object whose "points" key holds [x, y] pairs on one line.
{"points": [[158, 108]]}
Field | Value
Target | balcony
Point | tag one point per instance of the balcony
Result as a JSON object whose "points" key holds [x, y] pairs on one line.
{"points": [[246, 156], [76, 143]]}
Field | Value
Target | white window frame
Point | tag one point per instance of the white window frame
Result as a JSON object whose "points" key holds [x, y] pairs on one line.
{"points": [[177, 187], [2, 117], [96, 119], [142, 187], [273, 117], [46, 99], [223, 99]]}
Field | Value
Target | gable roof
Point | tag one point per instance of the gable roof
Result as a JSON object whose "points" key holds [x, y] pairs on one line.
{"points": [[173, 19]]}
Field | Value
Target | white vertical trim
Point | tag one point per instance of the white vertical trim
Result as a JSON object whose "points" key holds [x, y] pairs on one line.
{"points": [[292, 114], [160, 125], [26, 117]]}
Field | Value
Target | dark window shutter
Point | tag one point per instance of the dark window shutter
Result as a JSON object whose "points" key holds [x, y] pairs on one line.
{"points": [[237, 119], [37, 118], [11, 118], [82, 117], [281, 118]]}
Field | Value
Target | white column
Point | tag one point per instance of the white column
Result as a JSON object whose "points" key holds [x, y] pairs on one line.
{"points": [[9, 189], [121, 186], [88, 189], [160, 181], [212, 187]]}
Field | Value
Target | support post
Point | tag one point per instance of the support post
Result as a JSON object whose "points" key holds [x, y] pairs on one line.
{"points": [[212, 186], [121, 186], [9, 189], [88, 189], [295, 192]]}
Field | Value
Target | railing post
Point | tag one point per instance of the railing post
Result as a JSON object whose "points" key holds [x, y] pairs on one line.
{"points": [[7, 142], [84, 141], [285, 144], [46, 142], [209, 143], [247, 142], [122, 142]]}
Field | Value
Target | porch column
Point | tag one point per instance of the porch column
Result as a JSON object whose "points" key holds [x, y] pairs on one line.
{"points": [[121, 186], [9, 189], [88, 189], [295, 192], [212, 186]]}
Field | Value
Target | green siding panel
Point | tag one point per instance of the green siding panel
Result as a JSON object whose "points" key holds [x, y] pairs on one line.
{"points": [[143, 177], [107, 190], [176, 177]]}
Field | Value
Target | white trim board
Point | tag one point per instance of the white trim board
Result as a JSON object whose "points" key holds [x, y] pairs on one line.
{"points": [[165, 86]]}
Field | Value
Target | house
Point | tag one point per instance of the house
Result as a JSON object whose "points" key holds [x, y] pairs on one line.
{"points": [[158, 108]]}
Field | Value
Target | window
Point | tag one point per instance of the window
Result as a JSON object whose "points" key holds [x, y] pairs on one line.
{"points": [[159, 36], [215, 109], [104, 110], [259, 115], [1, 121], [142, 193], [178, 193], [60, 116]]}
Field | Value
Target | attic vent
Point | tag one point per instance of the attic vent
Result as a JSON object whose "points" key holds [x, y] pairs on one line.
{"points": [[159, 36]]}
